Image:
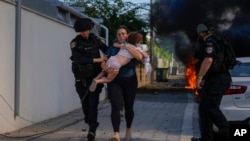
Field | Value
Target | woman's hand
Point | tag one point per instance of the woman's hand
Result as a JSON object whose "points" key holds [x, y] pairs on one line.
{"points": [[132, 49]]}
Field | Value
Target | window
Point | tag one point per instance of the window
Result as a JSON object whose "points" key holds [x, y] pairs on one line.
{"points": [[241, 70]]}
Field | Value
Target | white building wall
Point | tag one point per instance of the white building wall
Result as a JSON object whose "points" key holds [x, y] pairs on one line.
{"points": [[7, 65], [45, 68], [47, 84]]}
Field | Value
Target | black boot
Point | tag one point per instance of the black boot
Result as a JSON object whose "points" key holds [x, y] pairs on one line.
{"points": [[195, 139], [92, 130]]}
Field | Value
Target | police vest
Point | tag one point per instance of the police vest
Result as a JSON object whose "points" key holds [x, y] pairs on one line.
{"points": [[89, 48]]}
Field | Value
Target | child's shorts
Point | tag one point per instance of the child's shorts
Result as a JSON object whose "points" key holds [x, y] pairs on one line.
{"points": [[113, 63]]}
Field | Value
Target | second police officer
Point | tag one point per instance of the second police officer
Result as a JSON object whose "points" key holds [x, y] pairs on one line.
{"points": [[212, 83], [86, 64]]}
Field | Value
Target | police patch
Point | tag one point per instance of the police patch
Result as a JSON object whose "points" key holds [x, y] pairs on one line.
{"points": [[73, 44], [209, 50]]}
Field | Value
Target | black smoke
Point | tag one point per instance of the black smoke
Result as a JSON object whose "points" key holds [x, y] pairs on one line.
{"points": [[230, 17]]}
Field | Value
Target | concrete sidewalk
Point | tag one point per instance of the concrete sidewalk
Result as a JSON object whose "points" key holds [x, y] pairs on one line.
{"points": [[162, 117]]}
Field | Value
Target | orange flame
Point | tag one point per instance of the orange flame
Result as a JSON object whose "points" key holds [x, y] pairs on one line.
{"points": [[190, 75], [191, 78]]}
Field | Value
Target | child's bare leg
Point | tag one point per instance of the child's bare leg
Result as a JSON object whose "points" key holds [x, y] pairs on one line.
{"points": [[94, 83], [111, 74], [100, 75]]}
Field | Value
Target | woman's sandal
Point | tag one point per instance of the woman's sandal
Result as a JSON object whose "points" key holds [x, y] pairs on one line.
{"points": [[128, 137], [114, 138]]}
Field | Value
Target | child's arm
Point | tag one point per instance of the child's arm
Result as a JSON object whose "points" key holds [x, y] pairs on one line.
{"points": [[147, 65], [146, 60]]}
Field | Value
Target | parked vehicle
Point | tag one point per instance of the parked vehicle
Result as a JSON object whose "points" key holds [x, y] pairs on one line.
{"points": [[235, 103]]}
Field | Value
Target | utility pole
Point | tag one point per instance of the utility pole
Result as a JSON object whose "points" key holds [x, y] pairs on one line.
{"points": [[151, 42], [17, 58]]}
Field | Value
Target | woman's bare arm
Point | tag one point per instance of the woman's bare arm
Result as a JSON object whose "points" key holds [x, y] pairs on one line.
{"points": [[131, 48]]}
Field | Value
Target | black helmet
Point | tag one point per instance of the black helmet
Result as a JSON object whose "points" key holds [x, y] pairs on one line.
{"points": [[83, 24]]}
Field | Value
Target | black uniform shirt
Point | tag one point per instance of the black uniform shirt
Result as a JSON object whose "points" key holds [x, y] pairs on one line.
{"points": [[85, 50], [213, 50]]}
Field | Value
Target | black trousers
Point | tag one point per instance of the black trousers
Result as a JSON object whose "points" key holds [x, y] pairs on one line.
{"points": [[89, 100], [122, 89], [209, 107]]}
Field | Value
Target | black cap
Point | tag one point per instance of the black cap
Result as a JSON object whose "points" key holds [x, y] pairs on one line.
{"points": [[201, 28], [83, 24]]}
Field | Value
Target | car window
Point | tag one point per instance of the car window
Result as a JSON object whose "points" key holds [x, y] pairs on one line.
{"points": [[241, 70]]}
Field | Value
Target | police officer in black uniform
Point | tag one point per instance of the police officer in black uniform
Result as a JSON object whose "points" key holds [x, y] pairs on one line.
{"points": [[86, 64], [212, 83]]}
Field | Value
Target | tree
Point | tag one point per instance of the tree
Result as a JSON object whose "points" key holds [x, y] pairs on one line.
{"points": [[117, 12]]}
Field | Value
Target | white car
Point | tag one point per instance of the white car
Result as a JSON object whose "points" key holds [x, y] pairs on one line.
{"points": [[235, 103]]}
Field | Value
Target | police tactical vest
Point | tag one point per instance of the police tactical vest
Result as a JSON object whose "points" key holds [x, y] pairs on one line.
{"points": [[89, 48]]}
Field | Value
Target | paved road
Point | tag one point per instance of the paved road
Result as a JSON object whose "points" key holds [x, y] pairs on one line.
{"points": [[169, 116]]}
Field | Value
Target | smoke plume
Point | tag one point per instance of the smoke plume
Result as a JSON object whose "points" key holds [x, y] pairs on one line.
{"points": [[231, 17]]}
